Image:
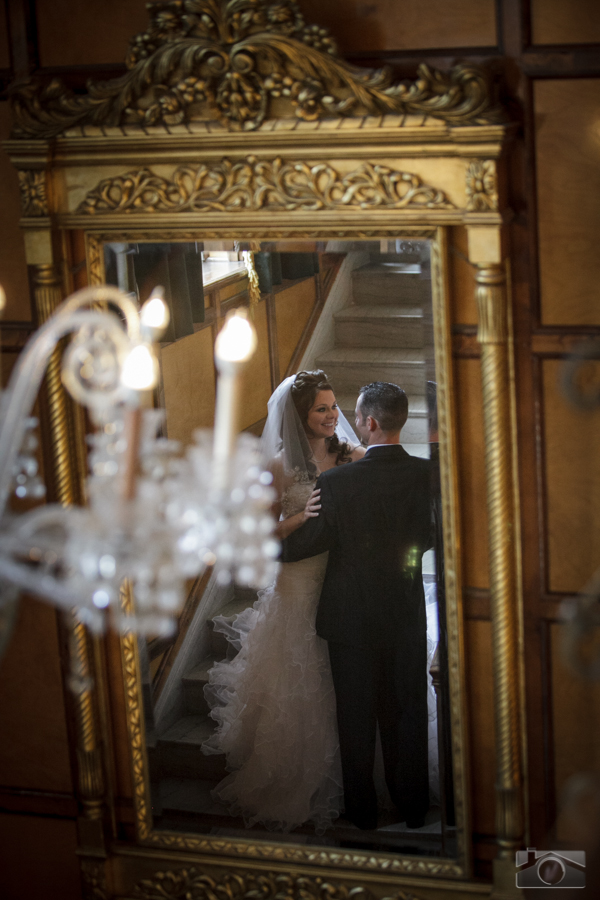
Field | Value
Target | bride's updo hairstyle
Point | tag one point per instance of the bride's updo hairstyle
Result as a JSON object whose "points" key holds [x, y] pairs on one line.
{"points": [[304, 391]]}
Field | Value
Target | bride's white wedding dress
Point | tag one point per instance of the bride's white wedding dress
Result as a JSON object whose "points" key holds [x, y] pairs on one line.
{"points": [[274, 703]]}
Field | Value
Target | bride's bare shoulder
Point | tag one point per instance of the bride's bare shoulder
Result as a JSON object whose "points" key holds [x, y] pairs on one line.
{"points": [[281, 481], [357, 453]]}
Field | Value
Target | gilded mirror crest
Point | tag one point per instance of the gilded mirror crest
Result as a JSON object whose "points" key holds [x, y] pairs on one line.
{"points": [[242, 61]]}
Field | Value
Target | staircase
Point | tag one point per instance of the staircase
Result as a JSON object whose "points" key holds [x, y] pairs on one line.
{"points": [[176, 753], [385, 334]]}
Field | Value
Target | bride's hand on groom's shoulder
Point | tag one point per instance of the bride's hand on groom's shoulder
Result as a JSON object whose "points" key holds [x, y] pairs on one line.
{"points": [[313, 505]]}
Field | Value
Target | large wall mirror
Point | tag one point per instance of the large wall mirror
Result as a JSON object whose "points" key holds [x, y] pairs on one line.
{"points": [[361, 311]]}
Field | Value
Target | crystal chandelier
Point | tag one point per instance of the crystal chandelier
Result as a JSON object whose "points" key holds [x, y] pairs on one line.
{"points": [[156, 515]]}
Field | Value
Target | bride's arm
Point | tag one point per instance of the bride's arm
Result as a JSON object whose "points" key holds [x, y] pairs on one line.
{"points": [[286, 526], [357, 453], [280, 483]]}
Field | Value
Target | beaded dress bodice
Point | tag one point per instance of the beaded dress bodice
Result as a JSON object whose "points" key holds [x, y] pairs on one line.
{"points": [[294, 498]]}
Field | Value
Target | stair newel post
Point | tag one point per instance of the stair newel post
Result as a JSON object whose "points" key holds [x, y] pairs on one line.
{"points": [[493, 336]]}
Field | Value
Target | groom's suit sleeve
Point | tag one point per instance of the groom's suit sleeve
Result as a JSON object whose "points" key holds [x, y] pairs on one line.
{"points": [[316, 535]]}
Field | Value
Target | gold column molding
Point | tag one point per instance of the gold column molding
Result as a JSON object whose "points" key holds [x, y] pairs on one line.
{"points": [[66, 488], [493, 336], [48, 295], [491, 305]]}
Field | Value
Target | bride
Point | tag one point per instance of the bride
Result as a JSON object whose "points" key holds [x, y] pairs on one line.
{"points": [[274, 703]]}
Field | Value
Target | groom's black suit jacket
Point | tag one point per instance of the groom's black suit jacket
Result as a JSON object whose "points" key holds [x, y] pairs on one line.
{"points": [[375, 521]]}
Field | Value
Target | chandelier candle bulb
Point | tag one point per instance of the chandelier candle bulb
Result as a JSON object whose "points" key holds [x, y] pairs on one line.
{"points": [[140, 368], [154, 315], [235, 344]]}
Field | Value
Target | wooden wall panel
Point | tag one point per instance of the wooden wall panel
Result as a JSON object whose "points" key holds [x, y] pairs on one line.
{"points": [[13, 268], [256, 388], [462, 279], [292, 309], [576, 719], [480, 687], [37, 858], [4, 45], [32, 707], [87, 32], [568, 187], [471, 462], [572, 475], [404, 24], [565, 21], [232, 289], [189, 384]]}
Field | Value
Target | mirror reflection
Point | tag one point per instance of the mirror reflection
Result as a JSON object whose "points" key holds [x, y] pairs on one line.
{"points": [[318, 710]]}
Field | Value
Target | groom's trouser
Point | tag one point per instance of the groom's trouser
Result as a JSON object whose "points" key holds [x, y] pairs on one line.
{"points": [[378, 685]]}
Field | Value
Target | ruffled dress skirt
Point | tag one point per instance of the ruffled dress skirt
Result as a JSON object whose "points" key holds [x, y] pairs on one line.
{"points": [[274, 705]]}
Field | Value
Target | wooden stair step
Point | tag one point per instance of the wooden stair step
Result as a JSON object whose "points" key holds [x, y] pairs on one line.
{"points": [[351, 368], [379, 326], [179, 750], [398, 284], [193, 687]]}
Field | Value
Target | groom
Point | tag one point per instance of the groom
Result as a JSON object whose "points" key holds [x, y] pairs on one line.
{"points": [[375, 520]]}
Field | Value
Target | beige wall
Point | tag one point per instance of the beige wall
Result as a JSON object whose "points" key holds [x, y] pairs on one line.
{"points": [[293, 308], [188, 375]]}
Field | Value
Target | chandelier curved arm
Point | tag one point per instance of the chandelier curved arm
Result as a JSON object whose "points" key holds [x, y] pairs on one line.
{"points": [[105, 293], [29, 370], [49, 588]]}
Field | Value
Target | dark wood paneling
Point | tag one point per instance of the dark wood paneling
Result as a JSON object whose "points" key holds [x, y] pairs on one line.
{"points": [[38, 858], [32, 708], [389, 25], [90, 32], [568, 191], [557, 22], [13, 268]]}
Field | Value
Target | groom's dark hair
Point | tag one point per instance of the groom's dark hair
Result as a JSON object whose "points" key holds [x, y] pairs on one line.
{"points": [[386, 403]]}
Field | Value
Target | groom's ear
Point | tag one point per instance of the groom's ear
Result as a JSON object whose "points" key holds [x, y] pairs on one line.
{"points": [[372, 423]]}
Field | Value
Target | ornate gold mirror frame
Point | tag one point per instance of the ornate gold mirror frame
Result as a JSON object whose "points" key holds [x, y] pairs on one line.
{"points": [[237, 120]]}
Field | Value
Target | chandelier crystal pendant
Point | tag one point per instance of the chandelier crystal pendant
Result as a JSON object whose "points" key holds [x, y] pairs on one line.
{"points": [[156, 514]]}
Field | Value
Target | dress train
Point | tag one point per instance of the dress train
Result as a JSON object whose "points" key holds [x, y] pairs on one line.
{"points": [[274, 705]]}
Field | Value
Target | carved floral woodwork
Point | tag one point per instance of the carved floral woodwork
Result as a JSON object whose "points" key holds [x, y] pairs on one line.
{"points": [[482, 191], [231, 60], [181, 884], [258, 184], [32, 184]]}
